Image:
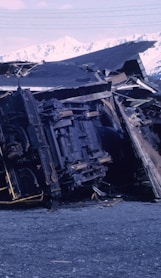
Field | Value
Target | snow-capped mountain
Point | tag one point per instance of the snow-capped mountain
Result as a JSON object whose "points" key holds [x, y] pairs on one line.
{"points": [[68, 47]]}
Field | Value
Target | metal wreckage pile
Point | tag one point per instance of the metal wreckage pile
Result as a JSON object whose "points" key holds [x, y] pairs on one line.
{"points": [[86, 124]]}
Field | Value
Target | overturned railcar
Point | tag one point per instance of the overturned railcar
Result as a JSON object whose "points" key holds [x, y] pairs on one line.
{"points": [[49, 149], [63, 125]]}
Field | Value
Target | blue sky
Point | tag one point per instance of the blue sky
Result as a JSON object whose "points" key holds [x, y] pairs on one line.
{"points": [[28, 22]]}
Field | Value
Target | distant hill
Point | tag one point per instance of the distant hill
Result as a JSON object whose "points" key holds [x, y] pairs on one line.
{"points": [[68, 47]]}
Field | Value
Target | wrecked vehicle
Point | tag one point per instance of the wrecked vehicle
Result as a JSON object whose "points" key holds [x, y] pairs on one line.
{"points": [[48, 148], [139, 108], [64, 125]]}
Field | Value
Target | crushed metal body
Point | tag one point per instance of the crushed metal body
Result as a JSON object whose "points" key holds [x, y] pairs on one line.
{"points": [[65, 126]]}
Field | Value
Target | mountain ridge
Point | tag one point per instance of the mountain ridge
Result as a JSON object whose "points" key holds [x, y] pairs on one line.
{"points": [[68, 47]]}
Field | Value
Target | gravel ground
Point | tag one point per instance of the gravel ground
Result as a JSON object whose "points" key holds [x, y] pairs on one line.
{"points": [[85, 240]]}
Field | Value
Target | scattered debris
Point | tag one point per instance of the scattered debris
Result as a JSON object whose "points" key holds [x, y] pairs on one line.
{"points": [[68, 126], [110, 202]]}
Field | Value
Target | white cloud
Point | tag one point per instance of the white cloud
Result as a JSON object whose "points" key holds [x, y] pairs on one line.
{"points": [[65, 7], [12, 5], [42, 4]]}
